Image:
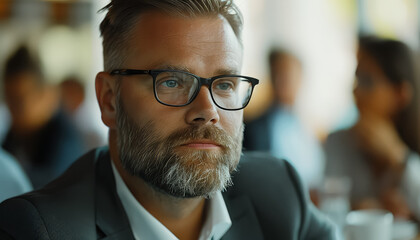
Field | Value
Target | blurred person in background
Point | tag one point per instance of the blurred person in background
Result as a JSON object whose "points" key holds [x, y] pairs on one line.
{"points": [[279, 130], [13, 180], [72, 94], [41, 136], [72, 102], [377, 154]]}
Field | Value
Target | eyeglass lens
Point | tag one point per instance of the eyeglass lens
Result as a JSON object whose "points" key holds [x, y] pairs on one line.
{"points": [[177, 88]]}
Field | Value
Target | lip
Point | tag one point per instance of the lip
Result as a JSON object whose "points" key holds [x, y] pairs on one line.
{"points": [[202, 144]]}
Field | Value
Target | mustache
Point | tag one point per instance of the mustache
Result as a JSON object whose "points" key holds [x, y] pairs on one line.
{"points": [[192, 133], [143, 133]]}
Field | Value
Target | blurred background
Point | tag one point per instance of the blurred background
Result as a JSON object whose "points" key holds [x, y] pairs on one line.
{"points": [[322, 33]]}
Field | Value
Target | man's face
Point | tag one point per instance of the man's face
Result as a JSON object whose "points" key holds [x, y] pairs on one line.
{"points": [[183, 151]]}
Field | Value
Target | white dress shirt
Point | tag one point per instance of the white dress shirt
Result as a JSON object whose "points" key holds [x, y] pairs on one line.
{"points": [[145, 226]]}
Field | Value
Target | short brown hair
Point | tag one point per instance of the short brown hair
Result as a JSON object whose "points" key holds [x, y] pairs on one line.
{"points": [[123, 14]]}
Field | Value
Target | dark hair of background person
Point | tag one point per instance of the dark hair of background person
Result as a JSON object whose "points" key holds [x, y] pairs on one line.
{"points": [[396, 60], [122, 14], [21, 61]]}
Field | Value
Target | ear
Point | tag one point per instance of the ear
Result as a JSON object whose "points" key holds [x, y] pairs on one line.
{"points": [[106, 96], [405, 92]]}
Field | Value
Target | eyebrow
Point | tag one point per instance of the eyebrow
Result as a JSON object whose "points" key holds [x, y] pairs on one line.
{"points": [[173, 67], [227, 72], [221, 71]]}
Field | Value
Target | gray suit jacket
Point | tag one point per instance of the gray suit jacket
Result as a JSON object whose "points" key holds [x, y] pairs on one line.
{"points": [[267, 201]]}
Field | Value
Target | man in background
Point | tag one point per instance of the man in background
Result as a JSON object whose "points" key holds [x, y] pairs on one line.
{"points": [[41, 136], [73, 99], [279, 130]]}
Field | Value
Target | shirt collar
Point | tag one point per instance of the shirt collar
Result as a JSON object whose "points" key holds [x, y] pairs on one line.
{"points": [[218, 221], [145, 226]]}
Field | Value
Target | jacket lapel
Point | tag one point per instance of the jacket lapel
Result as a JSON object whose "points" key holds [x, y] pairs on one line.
{"points": [[111, 219], [245, 223]]}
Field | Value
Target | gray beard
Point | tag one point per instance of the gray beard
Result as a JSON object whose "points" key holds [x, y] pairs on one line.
{"points": [[182, 174]]}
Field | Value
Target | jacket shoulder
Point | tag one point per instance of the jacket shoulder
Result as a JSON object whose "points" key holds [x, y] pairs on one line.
{"points": [[281, 201], [62, 209], [262, 165], [20, 219]]}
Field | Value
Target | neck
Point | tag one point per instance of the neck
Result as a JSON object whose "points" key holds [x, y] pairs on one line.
{"points": [[184, 217]]}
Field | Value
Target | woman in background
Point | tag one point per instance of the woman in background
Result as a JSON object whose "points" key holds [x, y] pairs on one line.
{"points": [[377, 153]]}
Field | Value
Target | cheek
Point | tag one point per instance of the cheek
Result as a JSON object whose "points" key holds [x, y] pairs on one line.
{"points": [[383, 97], [145, 109], [138, 101], [368, 101], [231, 122], [380, 101]]}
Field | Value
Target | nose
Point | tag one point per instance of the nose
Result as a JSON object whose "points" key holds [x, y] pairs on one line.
{"points": [[356, 88], [202, 110]]}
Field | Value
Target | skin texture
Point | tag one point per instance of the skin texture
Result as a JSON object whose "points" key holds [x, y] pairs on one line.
{"points": [[205, 46]]}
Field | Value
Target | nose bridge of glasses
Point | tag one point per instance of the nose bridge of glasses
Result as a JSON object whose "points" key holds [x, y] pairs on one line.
{"points": [[205, 81], [202, 82]]}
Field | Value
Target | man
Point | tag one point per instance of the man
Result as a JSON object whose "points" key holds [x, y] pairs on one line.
{"points": [[41, 137], [174, 140], [72, 91], [279, 130]]}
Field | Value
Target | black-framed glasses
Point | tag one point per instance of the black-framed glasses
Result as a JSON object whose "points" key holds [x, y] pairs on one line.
{"points": [[178, 88]]}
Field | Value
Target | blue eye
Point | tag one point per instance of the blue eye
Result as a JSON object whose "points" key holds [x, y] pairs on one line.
{"points": [[170, 83], [225, 86]]}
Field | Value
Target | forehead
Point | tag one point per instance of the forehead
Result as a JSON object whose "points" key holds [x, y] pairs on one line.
{"points": [[193, 42], [23, 79]]}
